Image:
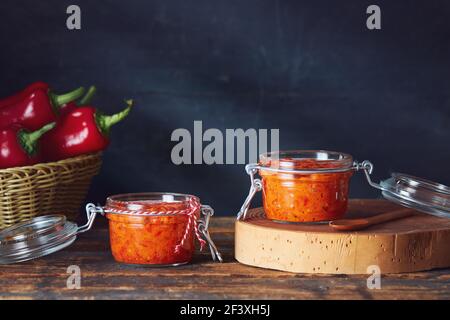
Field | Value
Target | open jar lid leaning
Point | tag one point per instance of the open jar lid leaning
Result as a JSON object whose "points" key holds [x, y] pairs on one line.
{"points": [[40, 236], [413, 192], [409, 191]]}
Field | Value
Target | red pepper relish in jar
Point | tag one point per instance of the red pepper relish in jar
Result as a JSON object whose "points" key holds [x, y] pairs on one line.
{"points": [[305, 185], [153, 228]]}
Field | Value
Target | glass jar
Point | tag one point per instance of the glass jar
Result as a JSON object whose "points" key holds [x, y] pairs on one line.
{"points": [[312, 186], [155, 228], [151, 229], [305, 197]]}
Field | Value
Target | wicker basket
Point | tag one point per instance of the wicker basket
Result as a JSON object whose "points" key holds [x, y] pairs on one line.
{"points": [[46, 188]]}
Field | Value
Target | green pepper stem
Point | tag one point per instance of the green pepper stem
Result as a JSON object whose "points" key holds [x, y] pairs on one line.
{"points": [[105, 122], [60, 99], [88, 96], [29, 140]]}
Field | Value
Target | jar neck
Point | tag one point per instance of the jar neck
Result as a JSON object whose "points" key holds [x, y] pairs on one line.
{"points": [[141, 203], [306, 160]]}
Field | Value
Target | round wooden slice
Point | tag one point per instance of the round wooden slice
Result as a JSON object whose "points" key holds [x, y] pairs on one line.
{"points": [[416, 243]]}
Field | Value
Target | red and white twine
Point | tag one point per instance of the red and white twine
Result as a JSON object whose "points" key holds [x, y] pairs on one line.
{"points": [[192, 225]]}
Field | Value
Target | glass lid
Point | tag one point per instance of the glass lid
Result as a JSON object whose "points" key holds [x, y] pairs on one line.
{"points": [[35, 238], [31, 229], [417, 193], [413, 192], [40, 236]]}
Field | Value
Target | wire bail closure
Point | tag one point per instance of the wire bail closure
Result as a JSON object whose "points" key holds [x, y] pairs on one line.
{"points": [[367, 167], [203, 226], [91, 213], [256, 184]]}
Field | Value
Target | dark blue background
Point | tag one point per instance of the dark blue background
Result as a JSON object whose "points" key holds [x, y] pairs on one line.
{"points": [[310, 68]]}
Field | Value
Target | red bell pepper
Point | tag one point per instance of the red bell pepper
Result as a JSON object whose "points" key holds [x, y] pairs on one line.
{"points": [[34, 107], [14, 99], [81, 131], [19, 147]]}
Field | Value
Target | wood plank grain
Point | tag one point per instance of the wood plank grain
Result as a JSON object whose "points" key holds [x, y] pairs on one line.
{"points": [[103, 278]]}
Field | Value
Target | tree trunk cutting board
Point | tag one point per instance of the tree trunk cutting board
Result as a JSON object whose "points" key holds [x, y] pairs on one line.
{"points": [[416, 243]]}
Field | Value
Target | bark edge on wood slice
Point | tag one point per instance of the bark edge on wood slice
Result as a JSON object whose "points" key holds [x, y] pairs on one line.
{"points": [[417, 243]]}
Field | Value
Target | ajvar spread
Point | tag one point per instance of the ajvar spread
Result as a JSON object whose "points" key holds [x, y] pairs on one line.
{"points": [[297, 197], [150, 240]]}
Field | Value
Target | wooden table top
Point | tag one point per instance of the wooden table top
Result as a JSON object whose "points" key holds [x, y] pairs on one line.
{"points": [[102, 278]]}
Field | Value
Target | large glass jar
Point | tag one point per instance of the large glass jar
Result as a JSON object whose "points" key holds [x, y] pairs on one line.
{"points": [[307, 196], [312, 186]]}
